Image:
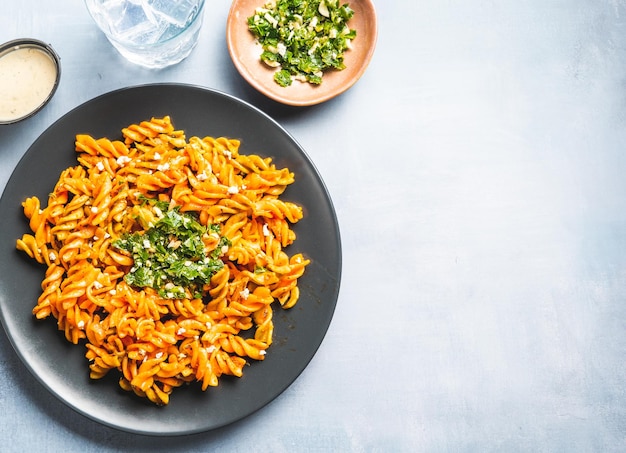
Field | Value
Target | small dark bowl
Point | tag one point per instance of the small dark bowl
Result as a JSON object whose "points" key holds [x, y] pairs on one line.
{"points": [[29, 43]]}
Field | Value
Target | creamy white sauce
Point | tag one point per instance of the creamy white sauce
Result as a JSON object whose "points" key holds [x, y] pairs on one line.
{"points": [[27, 76]]}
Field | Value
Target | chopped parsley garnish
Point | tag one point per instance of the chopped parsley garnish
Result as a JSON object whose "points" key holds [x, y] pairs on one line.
{"points": [[170, 256], [303, 38]]}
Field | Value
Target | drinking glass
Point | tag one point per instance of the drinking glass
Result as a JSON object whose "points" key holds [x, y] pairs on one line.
{"points": [[151, 33]]}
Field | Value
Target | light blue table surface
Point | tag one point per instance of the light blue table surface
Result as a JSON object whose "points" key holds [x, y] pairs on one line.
{"points": [[478, 170]]}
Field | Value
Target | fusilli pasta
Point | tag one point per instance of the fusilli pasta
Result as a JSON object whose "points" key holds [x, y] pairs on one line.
{"points": [[159, 343]]}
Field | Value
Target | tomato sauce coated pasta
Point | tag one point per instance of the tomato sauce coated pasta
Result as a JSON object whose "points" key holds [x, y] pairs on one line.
{"points": [[158, 343]]}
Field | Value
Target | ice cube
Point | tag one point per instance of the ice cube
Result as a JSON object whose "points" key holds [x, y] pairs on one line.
{"points": [[175, 12], [137, 24], [126, 17], [107, 13], [147, 10], [111, 8]]}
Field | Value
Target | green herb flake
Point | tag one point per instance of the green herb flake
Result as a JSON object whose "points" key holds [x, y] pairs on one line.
{"points": [[283, 77], [170, 257], [302, 38]]}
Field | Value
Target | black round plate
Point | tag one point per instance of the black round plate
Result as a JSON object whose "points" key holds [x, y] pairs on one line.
{"points": [[62, 367]]}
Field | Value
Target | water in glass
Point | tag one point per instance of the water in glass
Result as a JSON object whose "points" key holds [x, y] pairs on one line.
{"points": [[152, 33]]}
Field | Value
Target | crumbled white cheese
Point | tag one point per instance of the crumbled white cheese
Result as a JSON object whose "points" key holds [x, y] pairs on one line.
{"points": [[323, 9], [233, 190], [100, 166], [271, 63], [266, 230], [97, 285], [123, 160], [164, 167], [262, 352], [267, 16], [94, 209], [158, 355], [228, 154], [80, 324], [52, 256], [281, 48], [245, 293], [146, 243], [210, 349], [157, 156], [202, 176], [113, 292], [181, 331], [224, 248], [313, 48]]}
